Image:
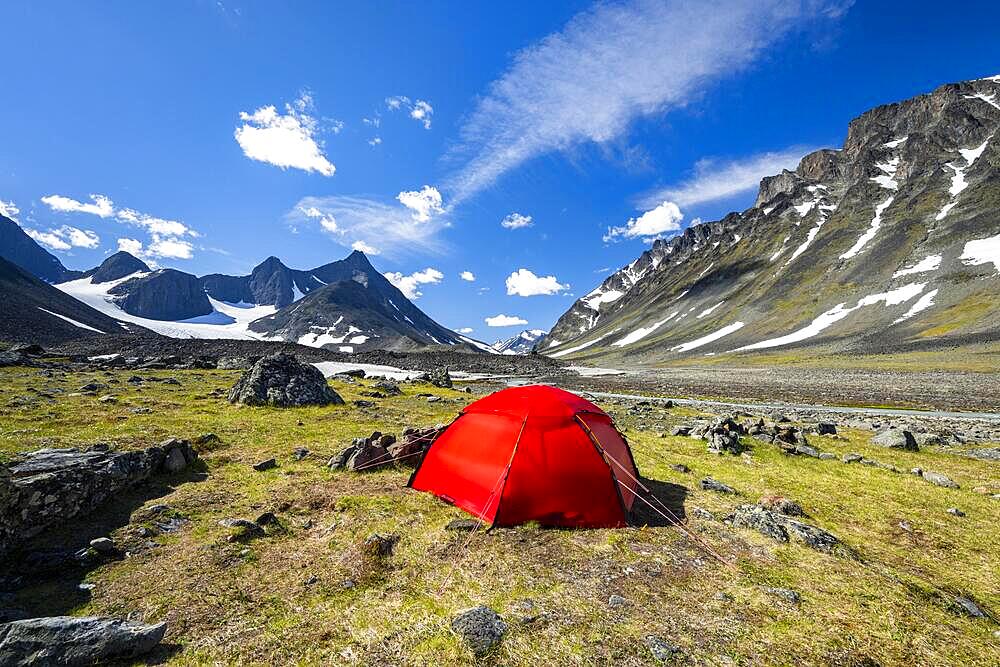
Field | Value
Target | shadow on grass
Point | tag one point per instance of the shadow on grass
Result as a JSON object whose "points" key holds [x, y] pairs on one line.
{"points": [[668, 500], [46, 576]]}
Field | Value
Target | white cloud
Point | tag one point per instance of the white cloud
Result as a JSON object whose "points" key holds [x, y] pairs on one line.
{"points": [[284, 140], [650, 225], [638, 59], [525, 283], [424, 202], [408, 285], [131, 246], [173, 248], [65, 237], [154, 225], [9, 210], [467, 276], [465, 330], [516, 221], [101, 206], [389, 227], [716, 179], [326, 221], [504, 321], [375, 141], [421, 110], [361, 246]]}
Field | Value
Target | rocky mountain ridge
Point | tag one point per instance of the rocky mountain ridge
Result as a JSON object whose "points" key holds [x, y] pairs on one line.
{"points": [[889, 243]]}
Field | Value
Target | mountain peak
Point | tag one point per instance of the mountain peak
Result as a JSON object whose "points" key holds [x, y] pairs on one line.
{"points": [[117, 266]]}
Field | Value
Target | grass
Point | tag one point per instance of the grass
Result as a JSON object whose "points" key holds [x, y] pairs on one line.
{"points": [[309, 595]]}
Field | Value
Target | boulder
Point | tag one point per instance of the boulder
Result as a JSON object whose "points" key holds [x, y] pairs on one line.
{"points": [[266, 464], [662, 650], [75, 640], [894, 438], [368, 457], [281, 380], [780, 527], [440, 377], [826, 428], [481, 628]]}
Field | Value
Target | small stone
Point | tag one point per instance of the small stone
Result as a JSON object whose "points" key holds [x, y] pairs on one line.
{"points": [[680, 467], [954, 511], [617, 601], [102, 545], [662, 650], [827, 456], [968, 607], [380, 545], [702, 513], [851, 458], [709, 484], [786, 594], [464, 525], [267, 464], [826, 428], [433, 399], [300, 453], [107, 399], [481, 628], [806, 450]]}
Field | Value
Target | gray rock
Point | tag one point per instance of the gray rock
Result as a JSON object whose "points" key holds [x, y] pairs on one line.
{"points": [[617, 601], [954, 511], [681, 430], [174, 460], [481, 628], [895, 439], [969, 607], [826, 428], [929, 439], [267, 464], [984, 454], [380, 545], [806, 450], [368, 457], [75, 640], [433, 399], [662, 650], [680, 467], [780, 528], [280, 380], [709, 484], [242, 530], [939, 478], [300, 453], [464, 525], [851, 458], [827, 456], [702, 513], [440, 377], [786, 594], [102, 545]]}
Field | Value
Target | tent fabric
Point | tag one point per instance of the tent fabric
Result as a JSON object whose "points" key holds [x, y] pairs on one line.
{"points": [[534, 453]]}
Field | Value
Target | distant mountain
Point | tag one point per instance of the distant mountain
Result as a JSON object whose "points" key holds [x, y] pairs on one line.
{"points": [[17, 247], [32, 311], [355, 308], [522, 343], [270, 283], [889, 244], [345, 305]]}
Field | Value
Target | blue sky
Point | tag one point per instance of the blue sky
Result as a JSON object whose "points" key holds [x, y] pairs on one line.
{"points": [[218, 133]]}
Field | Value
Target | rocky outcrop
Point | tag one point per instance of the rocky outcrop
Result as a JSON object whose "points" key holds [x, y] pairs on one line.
{"points": [[167, 294], [49, 486], [281, 380], [75, 640], [383, 449], [780, 527], [895, 439], [481, 628]]}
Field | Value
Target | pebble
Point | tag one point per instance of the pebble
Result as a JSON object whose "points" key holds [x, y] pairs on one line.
{"points": [[955, 511]]}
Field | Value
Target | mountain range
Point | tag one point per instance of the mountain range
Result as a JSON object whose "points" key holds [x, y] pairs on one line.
{"points": [[888, 244], [346, 305], [522, 343]]}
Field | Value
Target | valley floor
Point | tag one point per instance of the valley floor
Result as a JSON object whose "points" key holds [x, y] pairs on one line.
{"points": [[306, 593]]}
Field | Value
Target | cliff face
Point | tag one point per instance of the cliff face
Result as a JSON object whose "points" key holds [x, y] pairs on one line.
{"points": [[890, 243]]}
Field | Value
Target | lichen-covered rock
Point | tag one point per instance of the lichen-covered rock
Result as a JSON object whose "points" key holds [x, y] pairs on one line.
{"points": [[75, 640], [48, 486], [281, 380], [440, 377], [780, 527], [481, 628]]}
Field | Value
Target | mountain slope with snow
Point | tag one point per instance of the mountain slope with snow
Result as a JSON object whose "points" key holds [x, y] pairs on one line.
{"points": [[891, 243], [522, 343]]}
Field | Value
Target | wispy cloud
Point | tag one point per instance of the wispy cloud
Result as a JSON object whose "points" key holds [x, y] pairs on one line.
{"points": [[420, 111], [388, 226], [99, 205], [286, 140], [611, 65], [9, 210], [715, 179], [409, 285]]}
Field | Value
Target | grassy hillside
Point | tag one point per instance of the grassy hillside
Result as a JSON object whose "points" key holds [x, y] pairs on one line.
{"points": [[308, 594]]}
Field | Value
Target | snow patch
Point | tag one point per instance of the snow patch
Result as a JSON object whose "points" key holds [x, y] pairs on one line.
{"points": [[571, 350], [989, 99], [870, 233], [929, 263], [81, 325], [923, 303], [642, 332], [710, 338], [837, 313], [982, 251], [708, 311], [958, 182]]}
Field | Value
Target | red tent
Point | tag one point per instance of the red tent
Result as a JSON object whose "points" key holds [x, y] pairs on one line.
{"points": [[533, 453]]}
